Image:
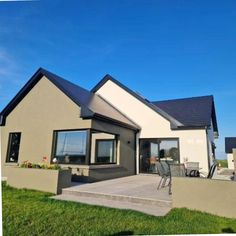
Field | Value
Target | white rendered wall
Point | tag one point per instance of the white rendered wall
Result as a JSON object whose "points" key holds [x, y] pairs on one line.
{"points": [[192, 143], [230, 160]]}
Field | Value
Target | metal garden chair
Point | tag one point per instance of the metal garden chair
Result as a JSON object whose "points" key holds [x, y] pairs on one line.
{"points": [[164, 172]]}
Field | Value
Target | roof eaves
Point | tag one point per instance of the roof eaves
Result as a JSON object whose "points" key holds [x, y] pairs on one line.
{"points": [[116, 122], [189, 127], [20, 95]]}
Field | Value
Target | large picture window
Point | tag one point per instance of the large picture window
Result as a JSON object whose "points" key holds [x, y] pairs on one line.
{"points": [[70, 147], [13, 147]]}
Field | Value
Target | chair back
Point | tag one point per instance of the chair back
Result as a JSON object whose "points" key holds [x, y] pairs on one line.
{"points": [[160, 169], [166, 167], [177, 170], [212, 171]]}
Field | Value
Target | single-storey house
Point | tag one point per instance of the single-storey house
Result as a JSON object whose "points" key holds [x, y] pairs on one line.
{"points": [[104, 133], [230, 144]]}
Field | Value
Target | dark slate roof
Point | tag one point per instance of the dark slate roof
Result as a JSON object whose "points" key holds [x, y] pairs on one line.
{"points": [[191, 112], [174, 123], [230, 143], [195, 112], [91, 104]]}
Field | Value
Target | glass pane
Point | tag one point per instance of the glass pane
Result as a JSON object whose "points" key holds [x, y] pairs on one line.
{"points": [[71, 147], [14, 145], [148, 155], [71, 143], [151, 150], [169, 150], [103, 148], [105, 151]]}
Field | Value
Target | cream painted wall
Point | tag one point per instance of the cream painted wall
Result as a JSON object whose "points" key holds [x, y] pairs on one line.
{"points": [[43, 110], [193, 143], [230, 160]]}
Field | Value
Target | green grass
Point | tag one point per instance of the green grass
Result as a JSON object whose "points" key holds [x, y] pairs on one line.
{"points": [[27, 212], [223, 163]]}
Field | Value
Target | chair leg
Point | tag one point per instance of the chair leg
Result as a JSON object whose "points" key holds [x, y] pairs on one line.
{"points": [[164, 182], [170, 185], [159, 185]]}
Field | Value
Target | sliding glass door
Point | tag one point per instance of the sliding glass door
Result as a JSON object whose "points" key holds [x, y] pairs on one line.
{"points": [[153, 150]]}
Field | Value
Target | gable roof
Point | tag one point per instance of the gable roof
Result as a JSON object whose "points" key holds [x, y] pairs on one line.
{"points": [[191, 112], [230, 144], [92, 105], [174, 122], [187, 113]]}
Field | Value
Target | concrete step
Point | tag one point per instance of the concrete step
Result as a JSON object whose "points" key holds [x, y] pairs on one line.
{"points": [[116, 197], [144, 206]]}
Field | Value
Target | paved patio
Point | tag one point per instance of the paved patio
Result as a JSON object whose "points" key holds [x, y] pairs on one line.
{"points": [[137, 192]]}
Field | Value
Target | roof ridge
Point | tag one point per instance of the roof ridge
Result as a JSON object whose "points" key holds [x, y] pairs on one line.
{"points": [[68, 81], [186, 98]]}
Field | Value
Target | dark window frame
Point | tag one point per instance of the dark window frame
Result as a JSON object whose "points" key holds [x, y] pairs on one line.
{"points": [[158, 139], [114, 154], [10, 146], [87, 149]]}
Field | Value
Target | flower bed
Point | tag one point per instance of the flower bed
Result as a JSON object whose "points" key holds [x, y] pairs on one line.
{"points": [[44, 177]]}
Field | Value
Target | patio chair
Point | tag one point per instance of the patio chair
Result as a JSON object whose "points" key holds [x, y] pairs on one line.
{"points": [[164, 173], [192, 169], [211, 172], [176, 170], [166, 167]]}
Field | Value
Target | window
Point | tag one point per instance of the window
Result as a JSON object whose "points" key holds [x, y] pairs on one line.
{"points": [[70, 147], [155, 149], [13, 147], [105, 151], [103, 148], [169, 150]]}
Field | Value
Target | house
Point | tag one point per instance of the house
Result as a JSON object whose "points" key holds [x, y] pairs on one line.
{"points": [[230, 144], [181, 129], [104, 133]]}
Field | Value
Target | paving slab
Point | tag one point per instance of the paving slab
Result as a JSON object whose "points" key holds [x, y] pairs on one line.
{"points": [[138, 192]]}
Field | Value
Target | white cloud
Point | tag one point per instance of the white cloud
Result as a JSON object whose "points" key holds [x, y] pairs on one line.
{"points": [[8, 65]]}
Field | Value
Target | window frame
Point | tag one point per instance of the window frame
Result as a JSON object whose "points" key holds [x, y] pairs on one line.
{"points": [[170, 139], [7, 160], [157, 139], [87, 148], [114, 153]]}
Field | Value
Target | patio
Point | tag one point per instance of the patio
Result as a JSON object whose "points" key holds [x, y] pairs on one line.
{"points": [[137, 192]]}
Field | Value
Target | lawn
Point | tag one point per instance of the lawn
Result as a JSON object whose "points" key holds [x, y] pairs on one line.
{"points": [[223, 163], [28, 212]]}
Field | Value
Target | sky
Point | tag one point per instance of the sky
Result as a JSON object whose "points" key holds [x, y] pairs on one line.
{"points": [[162, 49]]}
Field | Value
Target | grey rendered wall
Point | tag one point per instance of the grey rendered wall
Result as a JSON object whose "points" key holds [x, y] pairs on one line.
{"points": [[126, 145], [44, 109], [213, 196]]}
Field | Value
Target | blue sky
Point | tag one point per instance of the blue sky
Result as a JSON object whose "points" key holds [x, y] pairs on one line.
{"points": [[163, 49]]}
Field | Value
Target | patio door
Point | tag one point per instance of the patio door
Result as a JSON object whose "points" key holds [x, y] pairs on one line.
{"points": [[152, 150], [149, 154]]}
